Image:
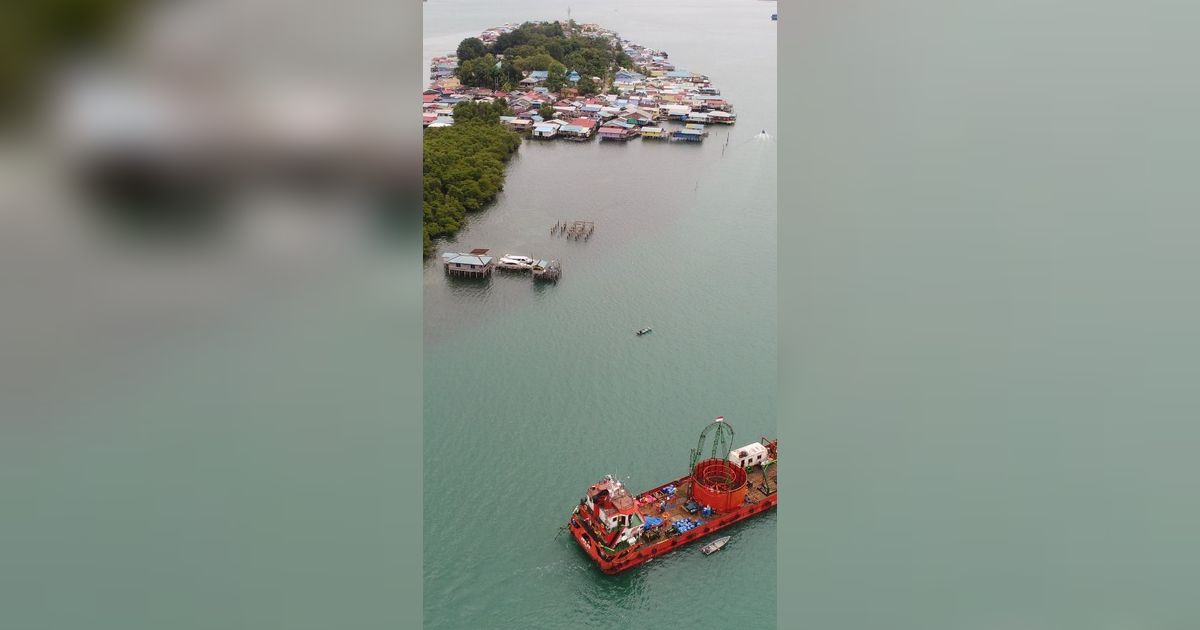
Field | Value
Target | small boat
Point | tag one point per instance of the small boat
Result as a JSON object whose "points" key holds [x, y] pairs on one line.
{"points": [[643, 331], [715, 545]]}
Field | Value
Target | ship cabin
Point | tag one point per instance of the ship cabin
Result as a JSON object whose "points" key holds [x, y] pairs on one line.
{"points": [[473, 264], [754, 454], [611, 506]]}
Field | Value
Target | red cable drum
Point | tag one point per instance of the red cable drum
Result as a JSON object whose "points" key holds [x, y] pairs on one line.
{"points": [[719, 484]]}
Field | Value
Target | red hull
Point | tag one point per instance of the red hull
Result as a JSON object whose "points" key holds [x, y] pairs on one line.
{"points": [[630, 558]]}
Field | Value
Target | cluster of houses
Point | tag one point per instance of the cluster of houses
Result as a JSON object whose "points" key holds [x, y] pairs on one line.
{"points": [[642, 100]]}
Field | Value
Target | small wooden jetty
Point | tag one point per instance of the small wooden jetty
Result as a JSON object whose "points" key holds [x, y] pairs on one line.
{"points": [[547, 271], [473, 264]]}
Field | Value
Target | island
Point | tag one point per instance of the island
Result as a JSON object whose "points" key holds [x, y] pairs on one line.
{"points": [[545, 81]]}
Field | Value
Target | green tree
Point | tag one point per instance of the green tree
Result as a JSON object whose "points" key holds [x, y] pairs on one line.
{"points": [[480, 111], [546, 111], [479, 72], [556, 79], [540, 61], [510, 76], [471, 48], [463, 168], [524, 50], [555, 48]]}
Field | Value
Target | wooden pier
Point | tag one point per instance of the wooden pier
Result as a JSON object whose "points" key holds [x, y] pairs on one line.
{"points": [[547, 271], [573, 231]]}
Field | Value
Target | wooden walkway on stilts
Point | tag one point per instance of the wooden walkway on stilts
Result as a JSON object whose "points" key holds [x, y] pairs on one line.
{"points": [[573, 231]]}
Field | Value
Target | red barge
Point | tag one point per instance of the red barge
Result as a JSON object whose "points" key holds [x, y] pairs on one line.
{"points": [[619, 530]]}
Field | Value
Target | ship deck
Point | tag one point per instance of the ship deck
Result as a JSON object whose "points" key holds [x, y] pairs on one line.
{"points": [[677, 505]]}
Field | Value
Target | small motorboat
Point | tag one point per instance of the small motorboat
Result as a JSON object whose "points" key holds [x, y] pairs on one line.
{"points": [[715, 545], [643, 331]]}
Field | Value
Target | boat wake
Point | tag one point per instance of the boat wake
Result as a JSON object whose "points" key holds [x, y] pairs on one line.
{"points": [[761, 137]]}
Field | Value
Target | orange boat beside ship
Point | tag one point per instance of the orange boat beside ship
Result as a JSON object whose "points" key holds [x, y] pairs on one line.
{"points": [[619, 530]]}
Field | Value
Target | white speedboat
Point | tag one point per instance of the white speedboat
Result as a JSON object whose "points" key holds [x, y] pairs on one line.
{"points": [[519, 263]]}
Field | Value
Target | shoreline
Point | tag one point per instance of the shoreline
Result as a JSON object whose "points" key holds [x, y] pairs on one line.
{"points": [[640, 92]]}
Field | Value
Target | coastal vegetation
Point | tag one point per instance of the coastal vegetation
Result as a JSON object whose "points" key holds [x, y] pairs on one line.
{"points": [[541, 46], [463, 166]]}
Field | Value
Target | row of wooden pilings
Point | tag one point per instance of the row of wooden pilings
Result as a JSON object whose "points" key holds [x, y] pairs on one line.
{"points": [[575, 230]]}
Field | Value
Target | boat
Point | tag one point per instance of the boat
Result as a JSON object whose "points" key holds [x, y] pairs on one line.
{"points": [[643, 331], [619, 530], [715, 545], [517, 263]]}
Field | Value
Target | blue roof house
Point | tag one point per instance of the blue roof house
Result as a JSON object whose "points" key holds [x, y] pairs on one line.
{"points": [[476, 265], [573, 77]]}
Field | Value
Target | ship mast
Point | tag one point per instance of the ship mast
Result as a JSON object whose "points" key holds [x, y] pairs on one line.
{"points": [[721, 443]]}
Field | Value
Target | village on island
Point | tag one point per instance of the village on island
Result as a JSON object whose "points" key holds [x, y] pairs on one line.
{"points": [[637, 100], [546, 81]]}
